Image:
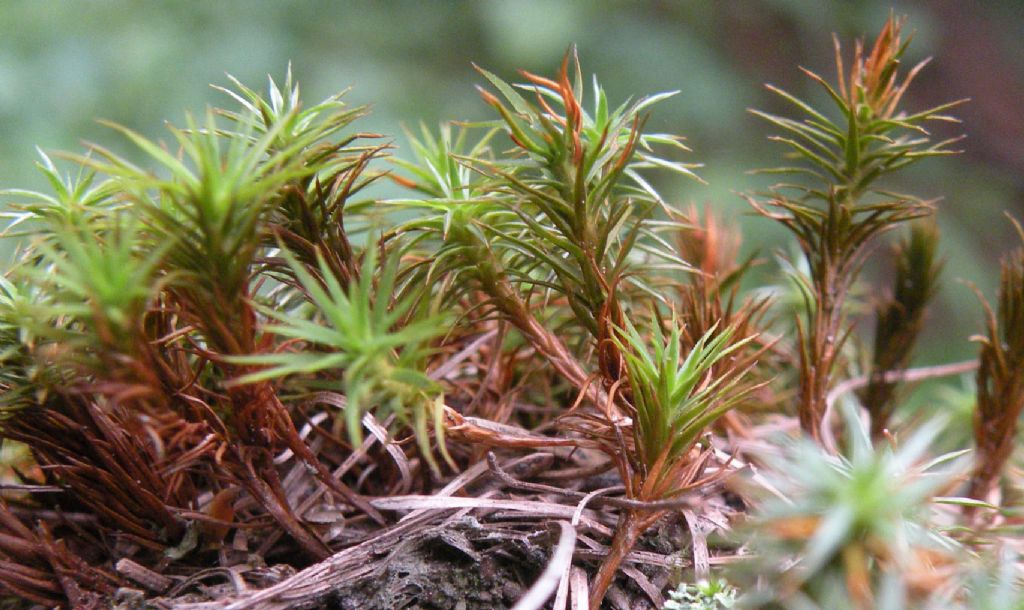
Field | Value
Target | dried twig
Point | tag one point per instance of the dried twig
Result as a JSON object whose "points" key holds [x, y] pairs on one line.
{"points": [[559, 563], [650, 505]]}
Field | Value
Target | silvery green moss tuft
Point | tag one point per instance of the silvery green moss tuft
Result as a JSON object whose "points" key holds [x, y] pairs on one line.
{"points": [[705, 595]]}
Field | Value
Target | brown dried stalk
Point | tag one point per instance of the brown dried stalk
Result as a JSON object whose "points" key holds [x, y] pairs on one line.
{"points": [[104, 460], [1000, 378], [707, 299], [38, 568], [899, 319]]}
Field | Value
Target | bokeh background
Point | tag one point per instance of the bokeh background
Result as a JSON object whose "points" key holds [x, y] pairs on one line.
{"points": [[64, 64]]}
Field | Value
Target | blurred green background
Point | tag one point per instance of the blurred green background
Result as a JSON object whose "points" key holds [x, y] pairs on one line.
{"points": [[64, 64]]}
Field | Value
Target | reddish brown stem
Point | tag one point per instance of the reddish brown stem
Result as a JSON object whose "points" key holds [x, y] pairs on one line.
{"points": [[818, 358], [277, 506], [631, 526], [549, 345], [996, 437], [265, 398]]}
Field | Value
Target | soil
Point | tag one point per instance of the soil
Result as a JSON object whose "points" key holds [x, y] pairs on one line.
{"points": [[442, 571]]}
